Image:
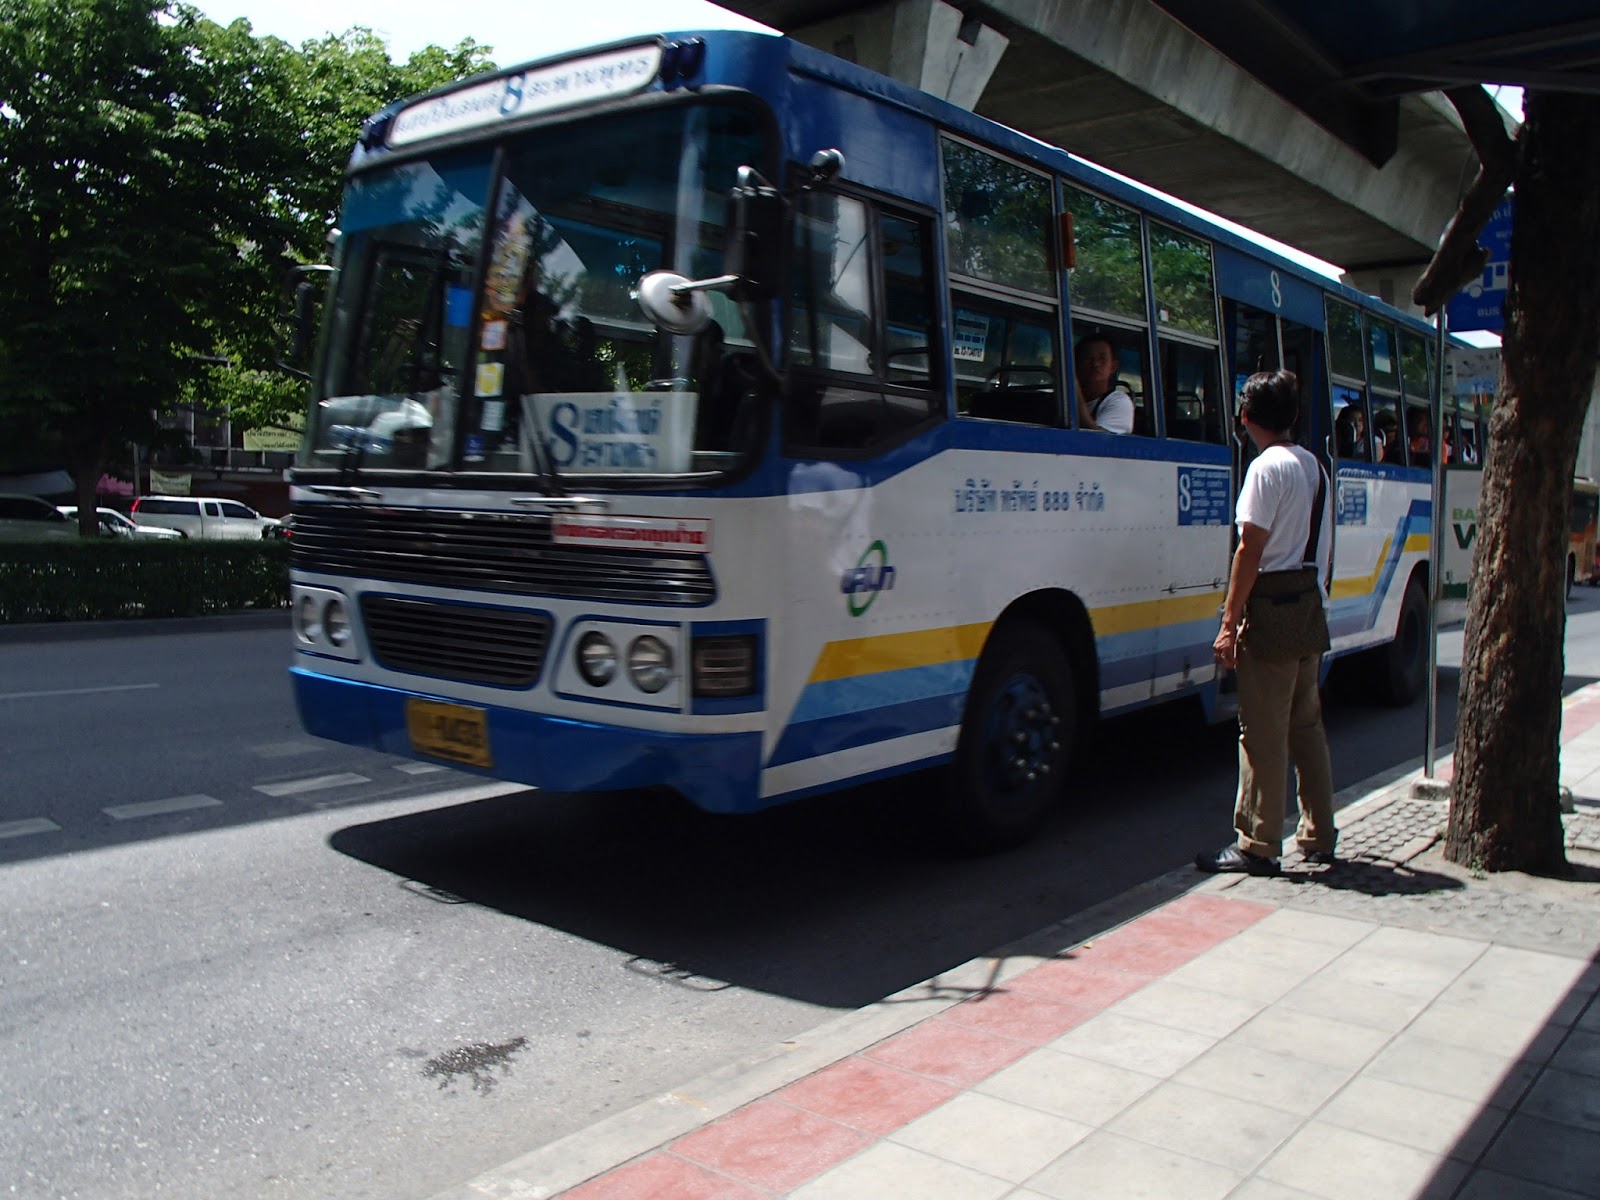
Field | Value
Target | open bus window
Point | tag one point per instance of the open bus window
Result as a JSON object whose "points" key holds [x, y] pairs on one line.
{"points": [[1350, 430], [1132, 372]]}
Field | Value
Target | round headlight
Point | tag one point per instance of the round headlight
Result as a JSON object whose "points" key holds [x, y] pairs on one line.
{"points": [[336, 622], [650, 663], [307, 623], [597, 659]]}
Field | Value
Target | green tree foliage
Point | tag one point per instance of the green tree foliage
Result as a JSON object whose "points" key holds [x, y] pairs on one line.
{"points": [[158, 174]]}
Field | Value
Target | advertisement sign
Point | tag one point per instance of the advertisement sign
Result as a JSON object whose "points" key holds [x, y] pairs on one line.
{"points": [[276, 437], [631, 533], [1463, 486], [606, 433], [169, 483], [1481, 304]]}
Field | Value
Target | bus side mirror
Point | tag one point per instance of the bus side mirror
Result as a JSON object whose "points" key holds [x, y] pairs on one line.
{"points": [[755, 226]]}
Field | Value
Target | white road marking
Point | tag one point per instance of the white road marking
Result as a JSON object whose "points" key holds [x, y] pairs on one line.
{"points": [[154, 808], [414, 768], [293, 787], [115, 687], [22, 828]]}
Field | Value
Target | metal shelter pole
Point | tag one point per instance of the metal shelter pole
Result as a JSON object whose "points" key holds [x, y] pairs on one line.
{"points": [[1435, 545]]}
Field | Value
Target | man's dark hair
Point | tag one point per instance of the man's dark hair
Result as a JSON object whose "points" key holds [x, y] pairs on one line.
{"points": [[1090, 339], [1272, 398]]}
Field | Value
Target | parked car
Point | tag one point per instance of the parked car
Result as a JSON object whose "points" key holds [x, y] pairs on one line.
{"points": [[206, 517], [283, 530], [30, 519], [116, 524]]}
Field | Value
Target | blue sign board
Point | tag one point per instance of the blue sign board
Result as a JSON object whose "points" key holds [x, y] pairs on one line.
{"points": [[1482, 303]]}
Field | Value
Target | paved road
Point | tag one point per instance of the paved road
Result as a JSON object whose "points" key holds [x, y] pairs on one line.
{"points": [[300, 970]]}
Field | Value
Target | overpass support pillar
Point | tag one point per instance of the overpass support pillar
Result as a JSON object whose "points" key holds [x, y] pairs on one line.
{"points": [[928, 44]]}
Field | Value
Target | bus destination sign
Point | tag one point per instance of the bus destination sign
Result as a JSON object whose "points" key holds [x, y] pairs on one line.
{"points": [[526, 93]]}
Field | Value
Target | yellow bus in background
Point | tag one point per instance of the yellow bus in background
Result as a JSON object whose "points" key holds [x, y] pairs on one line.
{"points": [[1583, 515]]}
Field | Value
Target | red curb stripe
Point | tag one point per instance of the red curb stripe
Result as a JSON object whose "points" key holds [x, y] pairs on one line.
{"points": [[867, 1095], [662, 1176], [772, 1145]]}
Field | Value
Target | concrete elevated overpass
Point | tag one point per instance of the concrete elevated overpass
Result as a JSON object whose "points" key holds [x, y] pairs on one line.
{"points": [[1362, 168]]}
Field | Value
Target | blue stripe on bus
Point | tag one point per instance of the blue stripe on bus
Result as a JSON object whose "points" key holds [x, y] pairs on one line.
{"points": [[828, 735], [1357, 614], [860, 693]]}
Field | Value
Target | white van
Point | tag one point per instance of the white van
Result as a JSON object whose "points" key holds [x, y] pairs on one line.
{"points": [[30, 519], [205, 517]]}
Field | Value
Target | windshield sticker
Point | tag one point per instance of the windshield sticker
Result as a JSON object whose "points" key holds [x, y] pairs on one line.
{"points": [[493, 417], [972, 337], [494, 335], [491, 379], [632, 533], [613, 432], [527, 93]]}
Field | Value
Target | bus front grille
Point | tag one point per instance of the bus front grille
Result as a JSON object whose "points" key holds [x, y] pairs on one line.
{"points": [[502, 647], [508, 553]]}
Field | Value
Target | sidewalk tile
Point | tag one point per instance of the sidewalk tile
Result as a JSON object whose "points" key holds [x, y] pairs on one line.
{"points": [[1068, 1086], [1565, 1097], [1074, 981], [1266, 1189], [1525, 983], [1491, 1185], [1580, 1052], [948, 1052], [1355, 1003], [1262, 982], [1106, 1167], [1191, 1009], [1438, 948], [1342, 932], [1456, 1071], [1391, 973], [867, 1095], [1413, 1117], [1340, 1164], [992, 1135], [1244, 1072], [1558, 1155], [1218, 912], [1477, 1027], [771, 1145], [658, 1177], [1233, 1133], [1133, 1044], [891, 1172], [1015, 1014], [1291, 955], [1279, 1029]]}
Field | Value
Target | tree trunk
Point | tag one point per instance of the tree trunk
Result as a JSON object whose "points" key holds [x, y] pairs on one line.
{"points": [[1505, 811], [87, 469]]}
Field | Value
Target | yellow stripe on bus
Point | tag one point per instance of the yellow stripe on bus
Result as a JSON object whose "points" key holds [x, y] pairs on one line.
{"points": [[1150, 614], [897, 651]]}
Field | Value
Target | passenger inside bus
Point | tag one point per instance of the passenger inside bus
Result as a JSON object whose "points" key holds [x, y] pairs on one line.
{"points": [[1418, 433], [1350, 432], [1386, 438], [1102, 404]]}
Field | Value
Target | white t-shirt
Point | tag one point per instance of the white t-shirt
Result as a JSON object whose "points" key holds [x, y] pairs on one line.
{"points": [[1113, 412], [1277, 495]]}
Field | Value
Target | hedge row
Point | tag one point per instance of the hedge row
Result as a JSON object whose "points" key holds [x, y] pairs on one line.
{"points": [[98, 579]]}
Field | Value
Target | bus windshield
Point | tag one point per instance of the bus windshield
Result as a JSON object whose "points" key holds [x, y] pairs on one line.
{"points": [[548, 365]]}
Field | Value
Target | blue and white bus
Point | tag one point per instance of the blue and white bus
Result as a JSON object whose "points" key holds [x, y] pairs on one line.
{"points": [[699, 412]]}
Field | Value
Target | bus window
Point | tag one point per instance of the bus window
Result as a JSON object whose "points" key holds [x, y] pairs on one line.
{"points": [[1350, 424], [1132, 372], [1344, 340], [863, 376], [1255, 342], [1180, 267], [1302, 358], [1005, 362], [1108, 275], [1192, 393], [1419, 434], [997, 220]]}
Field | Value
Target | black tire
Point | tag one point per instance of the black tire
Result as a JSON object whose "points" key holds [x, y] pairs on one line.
{"points": [[1016, 739], [1402, 665]]}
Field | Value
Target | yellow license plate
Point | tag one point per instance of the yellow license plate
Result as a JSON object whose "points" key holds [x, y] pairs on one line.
{"points": [[457, 732]]}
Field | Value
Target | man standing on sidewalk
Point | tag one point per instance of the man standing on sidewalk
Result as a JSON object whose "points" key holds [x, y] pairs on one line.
{"points": [[1275, 593]]}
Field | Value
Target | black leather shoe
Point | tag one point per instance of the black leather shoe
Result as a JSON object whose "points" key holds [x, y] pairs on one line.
{"points": [[1321, 858], [1232, 860]]}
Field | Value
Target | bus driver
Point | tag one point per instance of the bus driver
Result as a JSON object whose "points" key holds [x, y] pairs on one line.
{"points": [[1102, 404]]}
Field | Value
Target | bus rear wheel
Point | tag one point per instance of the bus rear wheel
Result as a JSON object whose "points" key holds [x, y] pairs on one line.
{"points": [[1403, 664], [1016, 739]]}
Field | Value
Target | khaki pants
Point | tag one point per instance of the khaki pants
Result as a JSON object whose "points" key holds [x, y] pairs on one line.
{"points": [[1280, 720]]}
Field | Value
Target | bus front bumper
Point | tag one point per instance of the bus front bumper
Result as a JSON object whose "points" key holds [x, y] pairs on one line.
{"points": [[717, 772]]}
